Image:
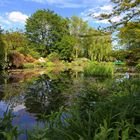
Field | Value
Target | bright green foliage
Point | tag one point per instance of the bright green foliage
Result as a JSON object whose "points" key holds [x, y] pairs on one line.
{"points": [[90, 43], [28, 65], [78, 28], [53, 56], [99, 69], [15, 41], [45, 29], [99, 46], [66, 47], [32, 52]]}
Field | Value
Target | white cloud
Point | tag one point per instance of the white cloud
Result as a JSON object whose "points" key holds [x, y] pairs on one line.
{"points": [[39, 1], [17, 16], [13, 20], [91, 13], [107, 8], [116, 19], [92, 20], [70, 3], [105, 21], [60, 3]]}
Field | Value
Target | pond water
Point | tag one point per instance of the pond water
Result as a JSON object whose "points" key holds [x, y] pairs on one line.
{"points": [[32, 93]]}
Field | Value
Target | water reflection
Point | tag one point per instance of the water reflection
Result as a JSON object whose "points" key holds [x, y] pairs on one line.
{"points": [[45, 95], [29, 94], [42, 94]]}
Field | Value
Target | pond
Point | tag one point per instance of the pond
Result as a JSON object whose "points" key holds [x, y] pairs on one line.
{"points": [[33, 93]]}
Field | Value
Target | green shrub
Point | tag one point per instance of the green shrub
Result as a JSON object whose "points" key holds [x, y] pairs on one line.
{"points": [[50, 64], [28, 65], [34, 54], [41, 64], [53, 56], [99, 69]]}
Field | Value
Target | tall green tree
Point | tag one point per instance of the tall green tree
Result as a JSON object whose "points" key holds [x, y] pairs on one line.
{"points": [[66, 46], [78, 27], [15, 41], [90, 43], [45, 29], [100, 45]]}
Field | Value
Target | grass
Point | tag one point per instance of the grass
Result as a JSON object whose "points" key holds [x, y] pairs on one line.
{"points": [[99, 69]]}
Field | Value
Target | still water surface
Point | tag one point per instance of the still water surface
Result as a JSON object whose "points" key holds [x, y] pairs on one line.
{"points": [[30, 94]]}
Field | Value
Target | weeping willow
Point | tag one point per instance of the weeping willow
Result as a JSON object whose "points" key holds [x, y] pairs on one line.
{"points": [[100, 48], [96, 45]]}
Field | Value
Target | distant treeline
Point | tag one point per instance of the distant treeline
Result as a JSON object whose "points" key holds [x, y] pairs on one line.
{"points": [[48, 33]]}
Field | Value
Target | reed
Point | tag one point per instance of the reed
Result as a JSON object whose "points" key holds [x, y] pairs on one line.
{"points": [[99, 69]]}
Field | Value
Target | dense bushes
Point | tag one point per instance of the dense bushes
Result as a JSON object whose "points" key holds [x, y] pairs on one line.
{"points": [[53, 57]]}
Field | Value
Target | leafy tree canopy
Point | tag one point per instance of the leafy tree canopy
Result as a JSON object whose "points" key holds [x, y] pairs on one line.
{"points": [[44, 29]]}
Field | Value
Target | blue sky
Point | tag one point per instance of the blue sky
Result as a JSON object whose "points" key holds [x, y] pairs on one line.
{"points": [[13, 13]]}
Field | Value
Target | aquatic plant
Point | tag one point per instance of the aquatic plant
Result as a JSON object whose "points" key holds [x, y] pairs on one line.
{"points": [[99, 69]]}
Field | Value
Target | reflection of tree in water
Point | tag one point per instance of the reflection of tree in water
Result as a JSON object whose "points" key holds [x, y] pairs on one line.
{"points": [[46, 95], [3, 77], [12, 94]]}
